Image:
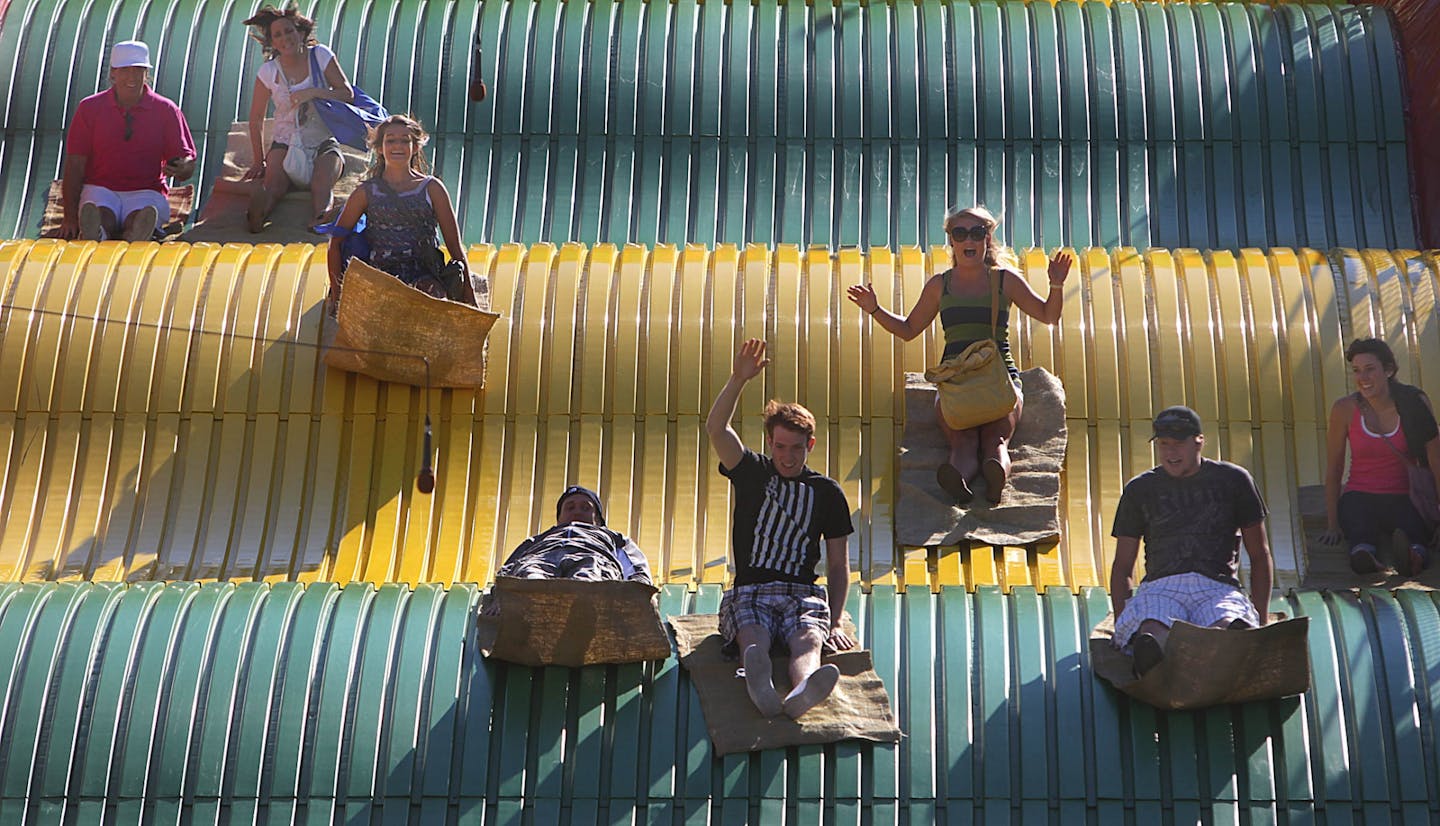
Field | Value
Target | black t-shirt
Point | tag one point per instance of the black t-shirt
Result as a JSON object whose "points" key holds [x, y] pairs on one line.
{"points": [[1191, 523], [779, 522]]}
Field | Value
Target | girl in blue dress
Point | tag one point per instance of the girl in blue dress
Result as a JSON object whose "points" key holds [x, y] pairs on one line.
{"points": [[404, 207]]}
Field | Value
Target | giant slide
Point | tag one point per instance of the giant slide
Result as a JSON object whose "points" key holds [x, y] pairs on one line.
{"points": [[223, 599]]}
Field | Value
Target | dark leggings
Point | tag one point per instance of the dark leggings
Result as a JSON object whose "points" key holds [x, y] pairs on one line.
{"points": [[1370, 518]]}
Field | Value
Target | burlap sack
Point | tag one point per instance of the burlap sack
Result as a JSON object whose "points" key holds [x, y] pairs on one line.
{"points": [[385, 328], [1211, 666], [858, 709], [572, 623], [1029, 511]]}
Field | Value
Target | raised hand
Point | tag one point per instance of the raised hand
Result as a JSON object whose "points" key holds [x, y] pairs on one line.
{"points": [[750, 360], [1059, 268], [864, 297]]}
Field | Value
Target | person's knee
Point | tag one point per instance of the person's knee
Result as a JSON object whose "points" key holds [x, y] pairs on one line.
{"points": [[807, 640]]}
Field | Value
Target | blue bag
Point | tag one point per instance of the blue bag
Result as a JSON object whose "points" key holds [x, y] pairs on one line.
{"points": [[350, 123], [353, 243]]}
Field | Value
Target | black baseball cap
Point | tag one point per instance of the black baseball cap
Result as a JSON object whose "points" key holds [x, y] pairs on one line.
{"points": [[1178, 422]]}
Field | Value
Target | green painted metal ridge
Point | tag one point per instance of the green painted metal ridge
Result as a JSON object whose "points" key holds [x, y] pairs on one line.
{"points": [[296, 700]]}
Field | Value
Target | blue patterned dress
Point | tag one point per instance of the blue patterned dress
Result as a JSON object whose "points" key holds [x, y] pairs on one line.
{"points": [[401, 229]]}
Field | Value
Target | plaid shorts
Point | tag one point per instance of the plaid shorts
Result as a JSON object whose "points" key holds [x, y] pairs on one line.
{"points": [[781, 608], [1194, 598]]}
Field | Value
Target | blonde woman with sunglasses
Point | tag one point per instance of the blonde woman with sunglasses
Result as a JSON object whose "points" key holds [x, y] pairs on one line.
{"points": [[961, 297]]}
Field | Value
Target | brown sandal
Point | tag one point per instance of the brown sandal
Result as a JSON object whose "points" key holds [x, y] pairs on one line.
{"points": [[994, 474], [952, 481]]}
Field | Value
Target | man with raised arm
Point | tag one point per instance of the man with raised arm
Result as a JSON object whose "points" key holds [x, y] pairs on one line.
{"points": [[783, 510]]}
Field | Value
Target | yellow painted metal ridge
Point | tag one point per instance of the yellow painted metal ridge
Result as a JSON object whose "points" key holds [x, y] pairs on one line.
{"points": [[165, 413]]}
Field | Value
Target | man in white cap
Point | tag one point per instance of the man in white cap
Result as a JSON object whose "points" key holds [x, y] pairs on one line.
{"points": [[122, 144]]}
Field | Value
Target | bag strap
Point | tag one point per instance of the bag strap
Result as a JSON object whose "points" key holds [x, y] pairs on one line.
{"points": [[995, 285], [315, 77], [1364, 408]]}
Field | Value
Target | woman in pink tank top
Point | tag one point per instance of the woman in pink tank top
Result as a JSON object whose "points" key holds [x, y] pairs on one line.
{"points": [[1386, 425]]}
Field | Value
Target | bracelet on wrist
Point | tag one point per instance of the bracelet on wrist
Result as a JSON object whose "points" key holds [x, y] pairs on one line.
{"points": [[1056, 286], [874, 311]]}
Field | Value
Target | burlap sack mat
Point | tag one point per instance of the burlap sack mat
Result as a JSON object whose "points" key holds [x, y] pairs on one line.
{"points": [[182, 199], [859, 708], [571, 623], [383, 324], [1211, 666], [1328, 566], [1029, 511], [223, 217]]}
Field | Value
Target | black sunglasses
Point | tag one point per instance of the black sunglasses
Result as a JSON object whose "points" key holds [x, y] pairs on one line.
{"points": [[975, 233], [129, 124]]}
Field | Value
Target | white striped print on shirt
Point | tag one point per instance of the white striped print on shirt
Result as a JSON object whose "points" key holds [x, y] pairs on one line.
{"points": [[781, 528]]}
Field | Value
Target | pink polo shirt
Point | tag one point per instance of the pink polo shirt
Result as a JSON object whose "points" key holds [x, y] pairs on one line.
{"points": [[158, 132]]}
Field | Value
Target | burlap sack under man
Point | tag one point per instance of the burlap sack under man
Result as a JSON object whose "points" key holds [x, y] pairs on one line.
{"points": [[782, 511], [1192, 514], [575, 594]]}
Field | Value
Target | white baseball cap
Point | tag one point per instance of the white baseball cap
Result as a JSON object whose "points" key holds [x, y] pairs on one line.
{"points": [[130, 53]]}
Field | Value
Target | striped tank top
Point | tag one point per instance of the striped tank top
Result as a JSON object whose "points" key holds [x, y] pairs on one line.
{"points": [[966, 320]]}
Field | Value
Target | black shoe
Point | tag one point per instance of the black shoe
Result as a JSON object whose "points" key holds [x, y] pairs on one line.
{"points": [[1146, 653], [1238, 624], [1363, 561], [952, 481]]}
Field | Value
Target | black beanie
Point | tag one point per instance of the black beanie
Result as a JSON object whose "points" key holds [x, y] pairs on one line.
{"points": [[582, 491]]}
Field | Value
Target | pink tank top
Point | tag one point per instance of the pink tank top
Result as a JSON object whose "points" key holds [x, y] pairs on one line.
{"points": [[1374, 467]]}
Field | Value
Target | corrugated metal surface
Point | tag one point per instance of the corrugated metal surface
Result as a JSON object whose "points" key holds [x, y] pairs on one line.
{"points": [[1418, 31], [1210, 126], [189, 451], [290, 704]]}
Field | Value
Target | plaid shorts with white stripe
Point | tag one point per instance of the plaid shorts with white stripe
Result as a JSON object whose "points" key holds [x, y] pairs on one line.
{"points": [[782, 608], [1194, 598]]}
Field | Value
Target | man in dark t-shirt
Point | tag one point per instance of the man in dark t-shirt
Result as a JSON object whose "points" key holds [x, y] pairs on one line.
{"points": [[1192, 514], [783, 510]]}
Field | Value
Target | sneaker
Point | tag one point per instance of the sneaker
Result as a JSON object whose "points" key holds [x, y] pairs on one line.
{"points": [[994, 474], [1362, 560], [90, 228], [143, 228], [757, 681], [1146, 653], [812, 691], [952, 481], [1419, 559]]}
